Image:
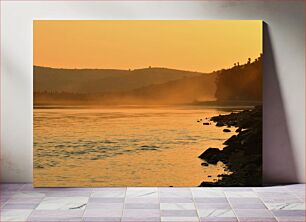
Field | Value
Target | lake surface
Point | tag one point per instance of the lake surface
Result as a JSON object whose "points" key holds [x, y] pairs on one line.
{"points": [[125, 145]]}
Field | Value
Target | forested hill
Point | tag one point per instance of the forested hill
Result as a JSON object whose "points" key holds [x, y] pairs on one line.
{"points": [[241, 82]]}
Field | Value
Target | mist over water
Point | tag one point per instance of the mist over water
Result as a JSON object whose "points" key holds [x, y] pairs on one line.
{"points": [[125, 145]]}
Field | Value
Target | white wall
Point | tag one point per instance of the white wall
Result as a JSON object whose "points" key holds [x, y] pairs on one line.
{"points": [[284, 86]]}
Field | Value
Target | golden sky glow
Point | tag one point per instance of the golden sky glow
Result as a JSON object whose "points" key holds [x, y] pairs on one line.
{"points": [[194, 45]]}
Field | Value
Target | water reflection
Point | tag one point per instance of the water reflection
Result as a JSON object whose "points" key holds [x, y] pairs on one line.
{"points": [[124, 146]]}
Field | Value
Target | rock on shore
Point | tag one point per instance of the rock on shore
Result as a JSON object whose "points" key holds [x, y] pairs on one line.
{"points": [[243, 152]]}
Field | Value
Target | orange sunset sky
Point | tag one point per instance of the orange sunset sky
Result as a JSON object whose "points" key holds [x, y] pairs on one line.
{"points": [[194, 45]]}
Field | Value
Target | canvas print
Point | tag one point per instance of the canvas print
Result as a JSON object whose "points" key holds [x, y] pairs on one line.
{"points": [[147, 103]]}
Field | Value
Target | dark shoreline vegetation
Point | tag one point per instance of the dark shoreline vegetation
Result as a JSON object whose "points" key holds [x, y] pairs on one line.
{"points": [[243, 152]]}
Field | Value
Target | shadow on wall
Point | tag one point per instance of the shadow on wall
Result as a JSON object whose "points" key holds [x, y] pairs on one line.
{"points": [[278, 159]]}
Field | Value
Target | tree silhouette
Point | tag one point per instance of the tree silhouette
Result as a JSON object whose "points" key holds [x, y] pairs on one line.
{"points": [[240, 82]]}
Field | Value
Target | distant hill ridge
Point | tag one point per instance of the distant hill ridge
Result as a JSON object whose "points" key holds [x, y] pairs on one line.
{"points": [[238, 84], [102, 80]]}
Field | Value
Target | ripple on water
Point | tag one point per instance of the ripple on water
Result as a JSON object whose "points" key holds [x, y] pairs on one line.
{"points": [[147, 147]]}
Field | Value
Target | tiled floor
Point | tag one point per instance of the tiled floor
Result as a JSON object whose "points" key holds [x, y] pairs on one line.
{"points": [[21, 202]]}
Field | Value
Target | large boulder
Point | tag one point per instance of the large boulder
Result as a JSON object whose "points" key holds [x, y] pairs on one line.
{"points": [[211, 155]]}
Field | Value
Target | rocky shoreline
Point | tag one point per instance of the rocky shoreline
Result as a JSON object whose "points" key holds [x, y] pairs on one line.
{"points": [[242, 153]]}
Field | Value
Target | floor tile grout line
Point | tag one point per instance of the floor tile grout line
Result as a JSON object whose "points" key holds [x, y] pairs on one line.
{"points": [[22, 187], [29, 216], [231, 206], [123, 206], [198, 215], [158, 197], [91, 191], [260, 198], [266, 205], [14, 191], [302, 199], [42, 199], [5, 202], [9, 199]]}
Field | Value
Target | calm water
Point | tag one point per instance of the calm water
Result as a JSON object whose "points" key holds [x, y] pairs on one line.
{"points": [[124, 146]]}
